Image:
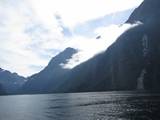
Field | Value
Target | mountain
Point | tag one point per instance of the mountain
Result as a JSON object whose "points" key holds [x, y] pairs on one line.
{"points": [[148, 13], [11, 82], [2, 91], [131, 63], [51, 75]]}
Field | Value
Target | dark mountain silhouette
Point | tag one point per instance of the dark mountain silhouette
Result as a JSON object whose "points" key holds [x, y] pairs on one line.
{"points": [[51, 76], [11, 82]]}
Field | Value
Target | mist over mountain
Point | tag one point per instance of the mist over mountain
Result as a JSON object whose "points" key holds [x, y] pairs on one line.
{"points": [[132, 62]]}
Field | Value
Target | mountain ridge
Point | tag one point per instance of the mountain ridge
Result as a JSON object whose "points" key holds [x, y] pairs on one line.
{"points": [[42, 81], [11, 82]]}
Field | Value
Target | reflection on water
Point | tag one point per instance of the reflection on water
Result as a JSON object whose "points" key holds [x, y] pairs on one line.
{"points": [[81, 106]]}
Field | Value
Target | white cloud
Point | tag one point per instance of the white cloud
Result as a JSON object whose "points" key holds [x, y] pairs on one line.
{"points": [[29, 30], [19, 49], [90, 47], [74, 12]]}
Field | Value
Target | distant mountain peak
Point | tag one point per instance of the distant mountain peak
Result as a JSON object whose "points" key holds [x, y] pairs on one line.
{"points": [[8, 80], [70, 48], [62, 57], [51, 74]]}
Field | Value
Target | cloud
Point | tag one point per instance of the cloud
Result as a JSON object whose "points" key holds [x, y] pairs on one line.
{"points": [[65, 30], [87, 28], [25, 39], [88, 48], [34, 31], [73, 12]]}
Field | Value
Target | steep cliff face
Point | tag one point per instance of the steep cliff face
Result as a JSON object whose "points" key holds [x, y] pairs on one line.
{"points": [[149, 14], [131, 63], [116, 69]]}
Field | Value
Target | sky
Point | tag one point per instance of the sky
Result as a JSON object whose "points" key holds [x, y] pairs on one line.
{"points": [[34, 31]]}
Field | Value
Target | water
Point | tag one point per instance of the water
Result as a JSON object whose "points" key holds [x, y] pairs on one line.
{"points": [[81, 106]]}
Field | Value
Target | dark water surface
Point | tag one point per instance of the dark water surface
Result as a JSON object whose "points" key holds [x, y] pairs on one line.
{"points": [[81, 106]]}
